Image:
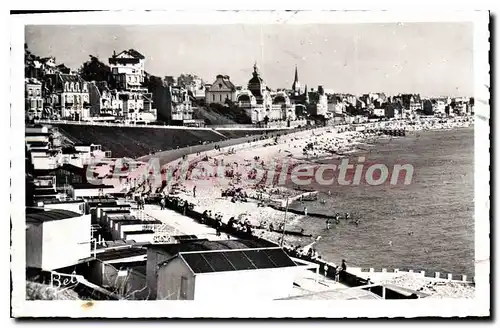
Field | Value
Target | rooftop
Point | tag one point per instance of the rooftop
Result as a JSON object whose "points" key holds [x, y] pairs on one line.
{"points": [[205, 245], [140, 232], [129, 221], [89, 186], [52, 215], [131, 52], [121, 253], [236, 260]]}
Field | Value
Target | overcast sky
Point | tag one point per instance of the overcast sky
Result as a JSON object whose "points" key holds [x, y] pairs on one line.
{"points": [[428, 58]]}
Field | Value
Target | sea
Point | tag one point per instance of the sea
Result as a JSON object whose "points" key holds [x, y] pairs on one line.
{"points": [[425, 225]]}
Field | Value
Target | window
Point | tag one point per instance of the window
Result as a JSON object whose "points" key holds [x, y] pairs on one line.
{"points": [[220, 85], [72, 86], [183, 290], [66, 86], [38, 92], [33, 103], [30, 92], [213, 97], [40, 103], [220, 97]]}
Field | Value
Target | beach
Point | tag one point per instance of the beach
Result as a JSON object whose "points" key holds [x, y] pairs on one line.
{"points": [[391, 234]]}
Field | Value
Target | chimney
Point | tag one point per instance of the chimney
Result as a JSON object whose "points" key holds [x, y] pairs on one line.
{"points": [[114, 53]]}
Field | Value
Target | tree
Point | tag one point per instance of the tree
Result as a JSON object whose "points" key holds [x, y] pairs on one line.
{"points": [[187, 79], [95, 70], [427, 107]]}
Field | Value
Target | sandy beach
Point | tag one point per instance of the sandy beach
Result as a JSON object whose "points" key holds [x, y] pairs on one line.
{"points": [[229, 170], [229, 182]]}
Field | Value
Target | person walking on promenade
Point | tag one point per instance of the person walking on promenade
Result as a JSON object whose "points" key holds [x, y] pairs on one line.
{"points": [[325, 270], [337, 274], [218, 225], [162, 204], [344, 270], [194, 191]]}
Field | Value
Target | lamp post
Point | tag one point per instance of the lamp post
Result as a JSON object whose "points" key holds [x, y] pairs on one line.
{"points": [[284, 224]]}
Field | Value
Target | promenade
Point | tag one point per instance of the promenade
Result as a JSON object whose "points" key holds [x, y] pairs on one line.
{"points": [[183, 225]]}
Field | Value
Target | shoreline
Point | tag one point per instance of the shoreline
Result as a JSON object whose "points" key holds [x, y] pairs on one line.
{"points": [[208, 197]]}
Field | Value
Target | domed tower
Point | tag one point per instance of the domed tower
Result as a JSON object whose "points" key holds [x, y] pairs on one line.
{"points": [[256, 85], [296, 84]]}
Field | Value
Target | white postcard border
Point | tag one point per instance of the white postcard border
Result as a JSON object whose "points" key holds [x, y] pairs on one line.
{"points": [[440, 308]]}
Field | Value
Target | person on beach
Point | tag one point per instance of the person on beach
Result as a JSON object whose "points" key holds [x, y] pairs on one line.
{"points": [[347, 216], [343, 269], [327, 224], [218, 226], [357, 222], [305, 211], [194, 191]]}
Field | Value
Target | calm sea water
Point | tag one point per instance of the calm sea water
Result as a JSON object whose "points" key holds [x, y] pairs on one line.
{"points": [[438, 207]]}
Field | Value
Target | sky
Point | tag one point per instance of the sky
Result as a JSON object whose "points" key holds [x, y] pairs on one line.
{"points": [[432, 59]]}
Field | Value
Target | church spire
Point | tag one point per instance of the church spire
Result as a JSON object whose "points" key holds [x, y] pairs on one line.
{"points": [[296, 83]]}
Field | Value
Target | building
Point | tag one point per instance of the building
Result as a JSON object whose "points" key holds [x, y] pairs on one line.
{"points": [[48, 65], [83, 190], [56, 239], [318, 102], [179, 106], [260, 103], [103, 100], [237, 274], [439, 106], [127, 68], [197, 88], [282, 107], [220, 91], [380, 112], [296, 84], [122, 270], [415, 104], [33, 98], [67, 95], [159, 253], [131, 101]]}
